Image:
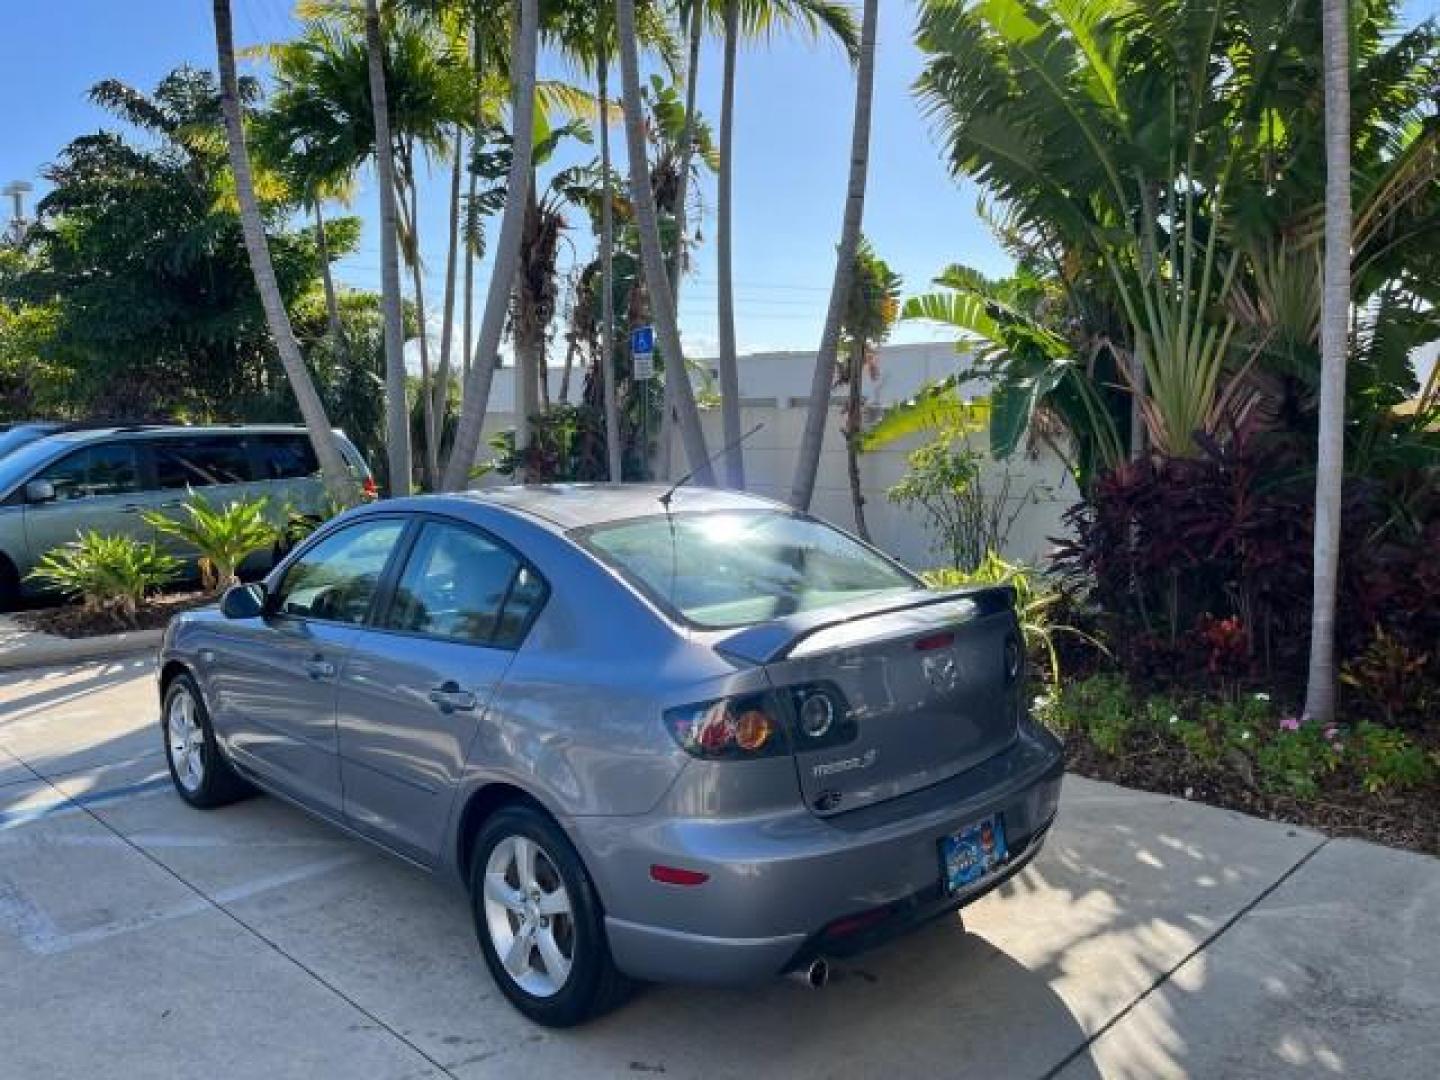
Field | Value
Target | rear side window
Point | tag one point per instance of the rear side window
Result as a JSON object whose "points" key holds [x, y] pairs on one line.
{"points": [[336, 579], [201, 461], [461, 586], [107, 469], [284, 457]]}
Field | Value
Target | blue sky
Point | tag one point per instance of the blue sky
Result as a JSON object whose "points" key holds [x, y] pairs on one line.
{"points": [[792, 146]]}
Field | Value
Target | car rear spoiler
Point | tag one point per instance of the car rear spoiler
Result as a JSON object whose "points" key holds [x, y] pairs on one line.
{"points": [[767, 642]]}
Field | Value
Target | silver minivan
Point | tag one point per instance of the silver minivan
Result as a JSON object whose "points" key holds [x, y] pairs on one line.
{"points": [[56, 487]]}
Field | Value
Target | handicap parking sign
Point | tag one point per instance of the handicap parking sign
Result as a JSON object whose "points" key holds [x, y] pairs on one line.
{"points": [[642, 340]]}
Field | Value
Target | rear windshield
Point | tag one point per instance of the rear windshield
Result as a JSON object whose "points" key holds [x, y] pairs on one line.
{"points": [[726, 569]]}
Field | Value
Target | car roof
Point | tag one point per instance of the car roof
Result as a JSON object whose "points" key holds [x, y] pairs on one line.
{"points": [[95, 434], [578, 505]]}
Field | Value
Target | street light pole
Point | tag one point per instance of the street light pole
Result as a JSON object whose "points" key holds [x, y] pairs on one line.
{"points": [[17, 190]]}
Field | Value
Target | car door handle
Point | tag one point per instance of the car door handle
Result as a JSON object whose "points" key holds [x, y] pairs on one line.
{"points": [[448, 697], [317, 667]]}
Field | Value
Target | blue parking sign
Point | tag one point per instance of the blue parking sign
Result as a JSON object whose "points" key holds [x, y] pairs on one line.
{"points": [[642, 340]]}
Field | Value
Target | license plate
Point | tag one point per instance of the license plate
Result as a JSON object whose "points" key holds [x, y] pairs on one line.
{"points": [[974, 851]]}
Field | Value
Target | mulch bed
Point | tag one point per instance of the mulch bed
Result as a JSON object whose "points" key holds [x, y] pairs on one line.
{"points": [[1406, 820], [71, 621]]}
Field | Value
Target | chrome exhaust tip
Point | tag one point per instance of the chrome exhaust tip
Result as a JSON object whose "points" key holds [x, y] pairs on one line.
{"points": [[813, 975]]}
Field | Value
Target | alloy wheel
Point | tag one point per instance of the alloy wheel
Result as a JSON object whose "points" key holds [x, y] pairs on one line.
{"points": [[528, 916], [185, 741]]}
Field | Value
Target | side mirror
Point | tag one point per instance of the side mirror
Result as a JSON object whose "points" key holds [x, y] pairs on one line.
{"points": [[243, 602], [39, 491]]}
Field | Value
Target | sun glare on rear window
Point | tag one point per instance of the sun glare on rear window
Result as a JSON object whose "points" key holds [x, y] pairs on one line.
{"points": [[735, 568]]}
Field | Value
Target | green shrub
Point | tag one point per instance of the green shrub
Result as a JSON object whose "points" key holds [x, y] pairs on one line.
{"points": [[223, 535], [1388, 760], [1296, 757], [1035, 600], [109, 574], [1100, 708]]}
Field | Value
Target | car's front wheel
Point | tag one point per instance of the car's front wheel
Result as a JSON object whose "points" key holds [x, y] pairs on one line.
{"points": [[201, 774], [539, 921]]}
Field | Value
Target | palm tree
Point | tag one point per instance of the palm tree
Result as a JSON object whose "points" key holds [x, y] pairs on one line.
{"points": [[339, 483], [662, 299], [397, 421], [1334, 349], [870, 313], [611, 395], [803, 486], [524, 46], [734, 458]]}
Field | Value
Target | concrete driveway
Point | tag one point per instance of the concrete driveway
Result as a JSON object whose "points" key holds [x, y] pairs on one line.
{"points": [[1153, 938]]}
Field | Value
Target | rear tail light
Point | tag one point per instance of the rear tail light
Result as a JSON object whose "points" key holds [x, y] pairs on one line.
{"points": [[729, 729], [369, 489], [810, 717]]}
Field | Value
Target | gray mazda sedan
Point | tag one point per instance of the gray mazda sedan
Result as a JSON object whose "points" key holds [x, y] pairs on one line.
{"points": [[685, 736]]}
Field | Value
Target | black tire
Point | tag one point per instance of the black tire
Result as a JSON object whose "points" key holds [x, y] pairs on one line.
{"points": [[216, 784], [593, 986], [9, 585]]}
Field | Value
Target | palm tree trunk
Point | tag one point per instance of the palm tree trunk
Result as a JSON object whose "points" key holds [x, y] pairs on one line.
{"points": [[397, 412], [687, 145], [803, 487], [471, 187], [523, 334], [327, 280], [853, 427], [524, 45], [729, 372], [664, 456], [417, 280], [1334, 348], [662, 300], [440, 392], [339, 484], [613, 458]]}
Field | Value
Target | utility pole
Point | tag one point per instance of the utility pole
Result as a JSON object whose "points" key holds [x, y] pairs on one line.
{"points": [[16, 191]]}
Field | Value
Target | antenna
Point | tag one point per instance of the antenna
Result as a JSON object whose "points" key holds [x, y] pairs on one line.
{"points": [[670, 491]]}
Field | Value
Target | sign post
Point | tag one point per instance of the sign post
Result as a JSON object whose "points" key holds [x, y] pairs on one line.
{"points": [[642, 352]]}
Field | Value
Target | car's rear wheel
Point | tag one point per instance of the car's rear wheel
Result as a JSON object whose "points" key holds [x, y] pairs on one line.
{"points": [[201, 774], [539, 921]]}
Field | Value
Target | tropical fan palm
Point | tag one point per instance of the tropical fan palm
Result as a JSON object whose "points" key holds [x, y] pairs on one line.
{"points": [[223, 535], [108, 573], [1168, 154]]}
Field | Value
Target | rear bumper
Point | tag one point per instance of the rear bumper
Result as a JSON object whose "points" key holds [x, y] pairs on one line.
{"points": [[778, 881]]}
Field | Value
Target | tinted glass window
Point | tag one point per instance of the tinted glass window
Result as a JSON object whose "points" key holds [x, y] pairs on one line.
{"points": [[336, 579], [733, 569], [526, 595], [284, 457], [108, 469], [201, 462], [455, 585]]}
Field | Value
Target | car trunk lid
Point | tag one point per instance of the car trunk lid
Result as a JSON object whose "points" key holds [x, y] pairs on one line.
{"points": [[923, 680]]}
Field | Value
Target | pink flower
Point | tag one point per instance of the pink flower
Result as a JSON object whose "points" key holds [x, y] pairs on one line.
{"points": [[1289, 723]]}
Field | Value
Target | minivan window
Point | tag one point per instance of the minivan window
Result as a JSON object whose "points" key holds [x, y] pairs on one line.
{"points": [[724, 569], [284, 457], [201, 461], [335, 580], [107, 469], [455, 585]]}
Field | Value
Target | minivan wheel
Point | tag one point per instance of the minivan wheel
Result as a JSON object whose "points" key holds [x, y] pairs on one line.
{"points": [[199, 770], [9, 585], [539, 921]]}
